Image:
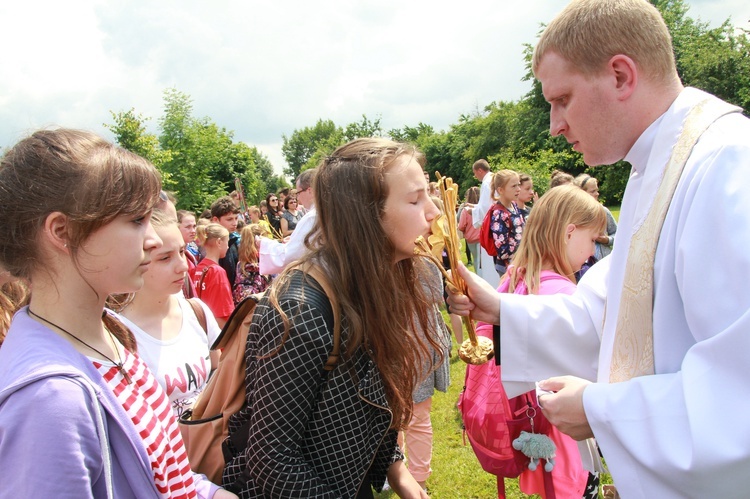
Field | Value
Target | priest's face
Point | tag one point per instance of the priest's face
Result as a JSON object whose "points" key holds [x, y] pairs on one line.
{"points": [[584, 109]]}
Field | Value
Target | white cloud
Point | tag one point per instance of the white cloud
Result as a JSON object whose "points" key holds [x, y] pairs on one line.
{"points": [[263, 69]]}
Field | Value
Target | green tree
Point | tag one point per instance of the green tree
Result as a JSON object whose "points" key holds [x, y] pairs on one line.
{"points": [[198, 159], [415, 135], [491, 130], [129, 130], [183, 136], [364, 128], [446, 152], [268, 180], [716, 60], [303, 144], [205, 160]]}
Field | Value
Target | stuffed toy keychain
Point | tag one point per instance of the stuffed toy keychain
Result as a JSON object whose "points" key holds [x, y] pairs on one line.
{"points": [[536, 446]]}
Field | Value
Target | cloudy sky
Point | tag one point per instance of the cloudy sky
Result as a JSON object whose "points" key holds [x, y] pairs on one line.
{"points": [[263, 69]]}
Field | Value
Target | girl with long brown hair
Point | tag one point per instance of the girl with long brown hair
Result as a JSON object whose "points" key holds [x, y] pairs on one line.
{"points": [[308, 432]]}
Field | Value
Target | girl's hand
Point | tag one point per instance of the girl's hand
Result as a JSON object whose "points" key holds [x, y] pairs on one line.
{"points": [[403, 483], [224, 494]]}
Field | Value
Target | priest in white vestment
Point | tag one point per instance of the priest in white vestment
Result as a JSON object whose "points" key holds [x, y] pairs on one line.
{"points": [[681, 430]]}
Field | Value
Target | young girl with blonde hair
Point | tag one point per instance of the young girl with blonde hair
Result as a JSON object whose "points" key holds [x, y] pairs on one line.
{"points": [[507, 220], [558, 238], [249, 280], [210, 279]]}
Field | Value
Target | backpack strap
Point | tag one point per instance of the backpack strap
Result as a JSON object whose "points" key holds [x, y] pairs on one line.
{"points": [[315, 272], [187, 287], [200, 314]]}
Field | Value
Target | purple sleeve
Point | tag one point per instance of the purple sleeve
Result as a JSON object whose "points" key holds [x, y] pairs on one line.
{"points": [[47, 428]]}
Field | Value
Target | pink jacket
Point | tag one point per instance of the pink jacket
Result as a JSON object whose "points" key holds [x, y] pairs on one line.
{"points": [[465, 225]]}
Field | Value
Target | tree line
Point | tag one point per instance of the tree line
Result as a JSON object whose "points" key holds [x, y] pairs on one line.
{"points": [[200, 160]]}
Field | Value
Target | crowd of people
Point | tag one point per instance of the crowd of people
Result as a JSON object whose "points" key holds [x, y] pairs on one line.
{"points": [[112, 300]]}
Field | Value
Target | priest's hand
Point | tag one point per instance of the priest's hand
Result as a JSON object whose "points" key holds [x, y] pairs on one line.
{"points": [[482, 302], [564, 407]]}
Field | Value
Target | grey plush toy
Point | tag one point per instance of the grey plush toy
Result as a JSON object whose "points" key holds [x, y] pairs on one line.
{"points": [[536, 446]]}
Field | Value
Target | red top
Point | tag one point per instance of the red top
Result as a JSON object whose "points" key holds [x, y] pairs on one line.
{"points": [[215, 290]]}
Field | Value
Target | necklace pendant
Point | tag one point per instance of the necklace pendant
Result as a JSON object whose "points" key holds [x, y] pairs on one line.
{"points": [[125, 374]]}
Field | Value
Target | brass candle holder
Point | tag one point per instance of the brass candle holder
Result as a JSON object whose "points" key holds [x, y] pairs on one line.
{"points": [[477, 349]]}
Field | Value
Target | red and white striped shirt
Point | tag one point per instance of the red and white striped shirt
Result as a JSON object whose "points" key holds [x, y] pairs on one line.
{"points": [[149, 409]]}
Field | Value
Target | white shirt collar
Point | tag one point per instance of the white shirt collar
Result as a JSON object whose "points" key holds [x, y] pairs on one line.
{"points": [[641, 150]]}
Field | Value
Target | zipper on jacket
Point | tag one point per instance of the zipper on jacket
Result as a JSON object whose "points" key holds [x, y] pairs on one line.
{"points": [[390, 421]]}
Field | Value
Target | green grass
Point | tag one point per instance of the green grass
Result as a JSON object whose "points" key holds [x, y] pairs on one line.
{"points": [[615, 212]]}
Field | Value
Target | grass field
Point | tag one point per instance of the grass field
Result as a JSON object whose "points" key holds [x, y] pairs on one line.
{"points": [[615, 212]]}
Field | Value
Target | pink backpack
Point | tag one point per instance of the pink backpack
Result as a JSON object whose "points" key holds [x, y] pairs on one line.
{"points": [[492, 421]]}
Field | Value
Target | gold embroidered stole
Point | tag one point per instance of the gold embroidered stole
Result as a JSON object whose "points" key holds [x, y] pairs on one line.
{"points": [[633, 350]]}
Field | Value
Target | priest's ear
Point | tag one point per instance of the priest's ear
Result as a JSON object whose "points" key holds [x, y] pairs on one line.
{"points": [[625, 75]]}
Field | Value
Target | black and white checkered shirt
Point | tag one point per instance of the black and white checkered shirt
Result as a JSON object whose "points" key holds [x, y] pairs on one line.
{"points": [[310, 434]]}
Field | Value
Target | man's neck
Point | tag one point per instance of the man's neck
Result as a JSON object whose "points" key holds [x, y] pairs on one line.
{"points": [[655, 100]]}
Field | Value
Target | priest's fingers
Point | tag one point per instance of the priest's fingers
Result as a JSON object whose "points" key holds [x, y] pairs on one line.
{"points": [[564, 407], [458, 303], [483, 301]]}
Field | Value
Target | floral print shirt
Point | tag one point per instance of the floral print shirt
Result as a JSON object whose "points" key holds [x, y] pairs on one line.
{"points": [[506, 227], [249, 281]]}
